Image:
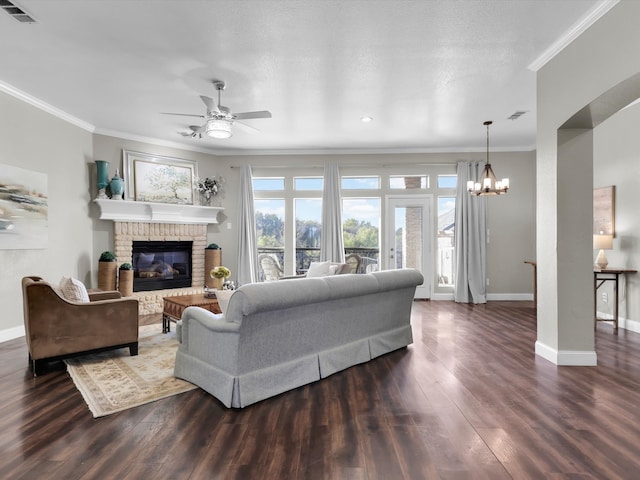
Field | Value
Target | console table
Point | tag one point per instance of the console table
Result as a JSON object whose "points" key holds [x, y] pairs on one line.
{"points": [[600, 276]]}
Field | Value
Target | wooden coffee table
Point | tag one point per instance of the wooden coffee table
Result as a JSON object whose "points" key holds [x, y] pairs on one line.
{"points": [[174, 306]]}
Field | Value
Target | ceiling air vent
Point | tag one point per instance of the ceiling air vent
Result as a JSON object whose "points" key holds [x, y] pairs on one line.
{"points": [[517, 114], [16, 12]]}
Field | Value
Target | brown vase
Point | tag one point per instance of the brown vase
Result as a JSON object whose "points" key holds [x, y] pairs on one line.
{"points": [[125, 282], [212, 258], [107, 274]]}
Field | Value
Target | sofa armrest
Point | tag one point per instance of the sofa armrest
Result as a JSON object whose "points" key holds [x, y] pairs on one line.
{"points": [[95, 296], [212, 321], [213, 324]]}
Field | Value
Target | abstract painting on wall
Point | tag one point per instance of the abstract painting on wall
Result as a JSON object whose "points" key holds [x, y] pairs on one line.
{"points": [[23, 209]]}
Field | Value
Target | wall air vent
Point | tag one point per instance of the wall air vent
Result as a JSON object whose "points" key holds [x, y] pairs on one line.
{"points": [[16, 12], [517, 114]]}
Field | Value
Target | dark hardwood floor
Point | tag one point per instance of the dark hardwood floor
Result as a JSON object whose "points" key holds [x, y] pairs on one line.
{"points": [[468, 400]]}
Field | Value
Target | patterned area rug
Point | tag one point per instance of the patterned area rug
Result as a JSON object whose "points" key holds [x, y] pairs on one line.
{"points": [[114, 381]]}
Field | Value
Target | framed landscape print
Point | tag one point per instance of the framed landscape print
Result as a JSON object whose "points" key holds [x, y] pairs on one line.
{"points": [[604, 210], [158, 179]]}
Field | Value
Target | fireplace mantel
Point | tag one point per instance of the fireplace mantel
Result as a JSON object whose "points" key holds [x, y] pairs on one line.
{"points": [[130, 211]]}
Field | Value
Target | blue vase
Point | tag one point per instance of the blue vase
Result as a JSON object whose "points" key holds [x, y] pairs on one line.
{"points": [[102, 177], [117, 187]]}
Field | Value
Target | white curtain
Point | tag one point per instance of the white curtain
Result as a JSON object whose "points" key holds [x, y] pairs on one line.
{"points": [[247, 241], [471, 237], [331, 241]]}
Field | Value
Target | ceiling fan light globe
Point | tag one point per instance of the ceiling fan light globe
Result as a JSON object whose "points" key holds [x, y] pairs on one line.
{"points": [[217, 128]]}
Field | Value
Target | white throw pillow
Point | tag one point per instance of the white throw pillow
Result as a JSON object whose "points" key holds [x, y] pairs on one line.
{"points": [[73, 290], [318, 269], [223, 297]]}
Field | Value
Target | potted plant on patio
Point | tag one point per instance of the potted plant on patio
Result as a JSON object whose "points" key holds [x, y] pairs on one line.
{"points": [[107, 271], [125, 279]]}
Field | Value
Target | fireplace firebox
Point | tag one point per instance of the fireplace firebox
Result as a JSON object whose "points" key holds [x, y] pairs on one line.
{"points": [[161, 265]]}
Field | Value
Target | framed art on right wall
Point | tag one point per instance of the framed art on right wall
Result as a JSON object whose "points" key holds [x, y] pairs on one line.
{"points": [[604, 210]]}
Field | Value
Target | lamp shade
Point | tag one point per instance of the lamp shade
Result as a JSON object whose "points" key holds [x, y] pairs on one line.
{"points": [[218, 128], [603, 242]]}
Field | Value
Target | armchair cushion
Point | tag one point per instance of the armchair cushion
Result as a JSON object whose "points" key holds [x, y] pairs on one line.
{"points": [[73, 290]]}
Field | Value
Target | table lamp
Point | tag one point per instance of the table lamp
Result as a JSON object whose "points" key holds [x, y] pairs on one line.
{"points": [[602, 242]]}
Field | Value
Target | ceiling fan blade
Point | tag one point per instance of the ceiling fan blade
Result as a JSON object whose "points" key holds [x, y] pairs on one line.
{"points": [[211, 105], [249, 115], [246, 127], [183, 114]]}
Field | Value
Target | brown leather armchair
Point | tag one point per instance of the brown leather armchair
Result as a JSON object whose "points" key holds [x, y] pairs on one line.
{"points": [[56, 328]]}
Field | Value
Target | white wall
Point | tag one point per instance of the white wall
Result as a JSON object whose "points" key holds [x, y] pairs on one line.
{"points": [[34, 140]]}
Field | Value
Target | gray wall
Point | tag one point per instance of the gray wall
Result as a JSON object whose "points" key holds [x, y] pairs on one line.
{"points": [[34, 140], [76, 237], [616, 148], [597, 61], [511, 218]]}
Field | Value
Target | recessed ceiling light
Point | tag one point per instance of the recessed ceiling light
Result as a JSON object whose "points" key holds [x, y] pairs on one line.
{"points": [[366, 119]]}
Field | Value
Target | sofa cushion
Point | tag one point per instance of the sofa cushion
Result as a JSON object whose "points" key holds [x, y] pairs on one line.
{"points": [[73, 290], [319, 269]]}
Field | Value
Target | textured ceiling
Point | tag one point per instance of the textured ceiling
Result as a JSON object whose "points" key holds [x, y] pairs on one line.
{"points": [[429, 72]]}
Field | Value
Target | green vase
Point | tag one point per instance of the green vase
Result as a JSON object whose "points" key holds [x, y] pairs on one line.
{"points": [[102, 168]]}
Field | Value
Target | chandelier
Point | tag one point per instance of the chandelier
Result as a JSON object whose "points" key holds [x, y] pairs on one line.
{"points": [[489, 185]]}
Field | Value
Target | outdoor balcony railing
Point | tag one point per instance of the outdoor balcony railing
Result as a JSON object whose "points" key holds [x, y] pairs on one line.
{"points": [[304, 257]]}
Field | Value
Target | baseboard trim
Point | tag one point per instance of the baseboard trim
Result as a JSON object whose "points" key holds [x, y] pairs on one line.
{"points": [[570, 358], [627, 324], [510, 297], [11, 333], [631, 325], [442, 296], [495, 297]]}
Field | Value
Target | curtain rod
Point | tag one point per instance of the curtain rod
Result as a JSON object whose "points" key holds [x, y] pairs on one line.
{"points": [[383, 165]]}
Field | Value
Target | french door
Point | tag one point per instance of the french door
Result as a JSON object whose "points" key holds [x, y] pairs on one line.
{"points": [[409, 236]]}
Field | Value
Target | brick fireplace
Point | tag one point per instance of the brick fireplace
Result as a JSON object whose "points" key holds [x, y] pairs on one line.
{"points": [[142, 221], [125, 233]]}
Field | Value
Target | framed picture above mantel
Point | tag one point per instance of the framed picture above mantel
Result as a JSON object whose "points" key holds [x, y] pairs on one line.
{"points": [[158, 179]]}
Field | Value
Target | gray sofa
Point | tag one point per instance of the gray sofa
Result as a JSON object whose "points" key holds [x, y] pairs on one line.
{"points": [[277, 336]]}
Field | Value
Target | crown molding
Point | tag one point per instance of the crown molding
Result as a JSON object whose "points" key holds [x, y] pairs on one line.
{"points": [[44, 106], [592, 16]]}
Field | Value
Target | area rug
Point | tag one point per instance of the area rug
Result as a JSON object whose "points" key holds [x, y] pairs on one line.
{"points": [[114, 381]]}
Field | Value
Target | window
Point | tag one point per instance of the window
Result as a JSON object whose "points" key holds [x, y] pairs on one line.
{"points": [[447, 181], [268, 184], [361, 230], [445, 265], [270, 221], [405, 182], [308, 183], [308, 213], [360, 183]]}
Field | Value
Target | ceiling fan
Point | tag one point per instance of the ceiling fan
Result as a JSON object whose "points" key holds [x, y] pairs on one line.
{"points": [[219, 118]]}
